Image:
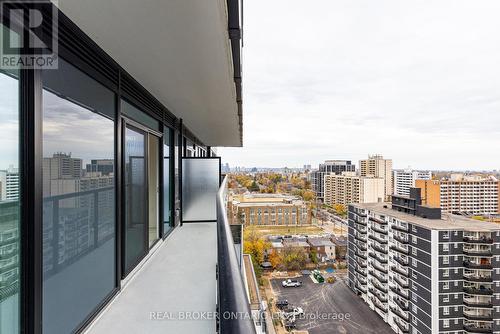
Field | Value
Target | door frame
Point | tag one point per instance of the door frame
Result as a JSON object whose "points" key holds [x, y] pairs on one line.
{"points": [[127, 122]]}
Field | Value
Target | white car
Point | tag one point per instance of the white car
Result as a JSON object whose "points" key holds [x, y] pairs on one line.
{"points": [[293, 312], [291, 283]]}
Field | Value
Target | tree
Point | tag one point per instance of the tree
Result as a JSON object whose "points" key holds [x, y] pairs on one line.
{"points": [[313, 255], [275, 259], [254, 186], [254, 245], [293, 258], [340, 209]]}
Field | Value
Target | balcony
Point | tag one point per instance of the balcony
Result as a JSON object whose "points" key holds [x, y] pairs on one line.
{"points": [[473, 316], [399, 292], [378, 221], [400, 239], [401, 283], [377, 258], [379, 268], [158, 293], [360, 271], [400, 271], [472, 329], [402, 327], [479, 240], [478, 253], [478, 292], [399, 250], [478, 279], [379, 249], [400, 228], [474, 303], [361, 255], [378, 277], [401, 261], [473, 265], [377, 294], [401, 305], [377, 239], [378, 229], [400, 314]]}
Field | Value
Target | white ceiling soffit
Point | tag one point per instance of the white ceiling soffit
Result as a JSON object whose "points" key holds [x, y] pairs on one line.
{"points": [[179, 50]]}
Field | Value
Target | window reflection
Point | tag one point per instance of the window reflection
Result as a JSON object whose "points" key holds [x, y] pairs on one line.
{"points": [[78, 206], [9, 204]]}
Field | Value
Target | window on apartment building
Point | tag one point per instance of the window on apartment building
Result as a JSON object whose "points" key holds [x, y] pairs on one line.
{"points": [[446, 285], [446, 310], [446, 260], [446, 323], [414, 262], [446, 247], [413, 239], [414, 251], [455, 245], [414, 297], [414, 308], [446, 235], [446, 273], [446, 298], [414, 319]]}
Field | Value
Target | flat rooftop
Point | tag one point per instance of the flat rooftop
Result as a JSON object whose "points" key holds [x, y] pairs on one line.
{"points": [[447, 221]]}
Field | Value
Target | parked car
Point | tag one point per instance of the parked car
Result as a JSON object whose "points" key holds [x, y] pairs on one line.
{"points": [[291, 313], [282, 303], [291, 283]]}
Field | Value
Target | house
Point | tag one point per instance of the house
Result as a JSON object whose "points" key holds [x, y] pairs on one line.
{"points": [[325, 248], [340, 247]]}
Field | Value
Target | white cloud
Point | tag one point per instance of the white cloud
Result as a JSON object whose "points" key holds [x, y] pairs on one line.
{"points": [[416, 81]]}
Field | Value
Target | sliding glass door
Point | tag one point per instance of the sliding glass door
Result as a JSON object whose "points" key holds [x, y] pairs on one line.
{"points": [[135, 196]]}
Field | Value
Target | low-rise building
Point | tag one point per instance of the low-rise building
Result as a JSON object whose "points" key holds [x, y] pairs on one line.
{"points": [[340, 247], [325, 249], [268, 209]]}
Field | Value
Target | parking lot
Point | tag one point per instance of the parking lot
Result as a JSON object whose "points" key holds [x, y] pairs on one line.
{"points": [[333, 300]]}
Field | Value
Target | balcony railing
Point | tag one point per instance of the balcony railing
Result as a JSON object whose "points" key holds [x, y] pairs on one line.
{"points": [[480, 292], [478, 253], [480, 240], [400, 228], [478, 329], [478, 279], [478, 317], [232, 298], [477, 303], [472, 265]]}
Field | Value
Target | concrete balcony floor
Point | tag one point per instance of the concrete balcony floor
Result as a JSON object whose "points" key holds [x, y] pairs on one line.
{"points": [[178, 278]]}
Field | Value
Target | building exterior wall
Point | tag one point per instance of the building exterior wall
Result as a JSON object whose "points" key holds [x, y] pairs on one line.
{"points": [[350, 188], [467, 196], [377, 166], [329, 167], [405, 179], [423, 280]]}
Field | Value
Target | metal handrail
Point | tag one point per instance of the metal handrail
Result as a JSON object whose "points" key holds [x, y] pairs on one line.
{"points": [[233, 305]]}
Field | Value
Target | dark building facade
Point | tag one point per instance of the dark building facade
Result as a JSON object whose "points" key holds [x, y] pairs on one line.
{"points": [[425, 275]]}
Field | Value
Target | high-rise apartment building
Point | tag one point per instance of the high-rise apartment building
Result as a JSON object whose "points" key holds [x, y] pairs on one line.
{"points": [[330, 166], [377, 166], [464, 194], [425, 275], [404, 179], [9, 184], [349, 188]]}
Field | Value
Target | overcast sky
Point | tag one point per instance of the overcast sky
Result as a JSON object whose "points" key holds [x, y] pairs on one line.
{"points": [[416, 81]]}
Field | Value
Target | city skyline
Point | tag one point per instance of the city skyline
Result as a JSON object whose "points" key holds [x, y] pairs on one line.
{"points": [[416, 82]]}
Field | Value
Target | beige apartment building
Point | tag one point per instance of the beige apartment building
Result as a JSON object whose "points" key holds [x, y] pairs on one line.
{"points": [[268, 209], [351, 188], [377, 166], [466, 194]]}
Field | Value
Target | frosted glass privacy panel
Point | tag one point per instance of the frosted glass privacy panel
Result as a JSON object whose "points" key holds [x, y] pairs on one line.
{"points": [[200, 184]]}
